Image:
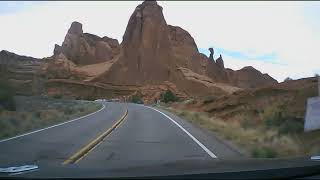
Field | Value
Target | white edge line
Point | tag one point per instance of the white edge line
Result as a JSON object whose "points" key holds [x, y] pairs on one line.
{"points": [[189, 134], [32, 132]]}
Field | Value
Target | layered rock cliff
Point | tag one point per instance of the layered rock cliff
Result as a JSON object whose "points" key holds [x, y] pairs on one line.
{"points": [[152, 54], [84, 48]]}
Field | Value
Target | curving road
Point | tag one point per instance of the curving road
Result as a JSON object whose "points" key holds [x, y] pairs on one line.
{"points": [[145, 136]]}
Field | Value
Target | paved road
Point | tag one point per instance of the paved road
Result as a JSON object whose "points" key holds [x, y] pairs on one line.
{"points": [[146, 136]]}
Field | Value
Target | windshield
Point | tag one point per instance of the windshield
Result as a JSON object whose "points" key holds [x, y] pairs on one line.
{"points": [[111, 87]]}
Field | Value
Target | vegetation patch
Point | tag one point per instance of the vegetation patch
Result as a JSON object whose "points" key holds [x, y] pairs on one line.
{"points": [[136, 99], [6, 96], [38, 112], [168, 96], [209, 99], [276, 137]]}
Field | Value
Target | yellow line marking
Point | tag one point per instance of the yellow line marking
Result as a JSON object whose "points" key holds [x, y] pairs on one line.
{"points": [[89, 147]]}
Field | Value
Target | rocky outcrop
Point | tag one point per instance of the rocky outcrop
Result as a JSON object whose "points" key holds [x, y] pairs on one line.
{"points": [[249, 77], [185, 50], [146, 50], [20, 71], [60, 67], [211, 54], [153, 52], [84, 48], [182, 42], [151, 93], [153, 55], [220, 62]]}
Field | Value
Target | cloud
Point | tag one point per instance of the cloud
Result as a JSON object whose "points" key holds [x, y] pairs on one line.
{"points": [[266, 33]]}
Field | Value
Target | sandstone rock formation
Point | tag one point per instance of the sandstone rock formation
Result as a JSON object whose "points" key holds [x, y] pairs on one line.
{"points": [[20, 71], [59, 67], [84, 48], [220, 62], [249, 77], [147, 52], [152, 56], [211, 54], [153, 52]]}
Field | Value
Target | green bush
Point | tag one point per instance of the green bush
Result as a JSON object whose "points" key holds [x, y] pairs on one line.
{"points": [[136, 99], [91, 98], [264, 152], [273, 120], [291, 127], [6, 96], [168, 96], [284, 123]]}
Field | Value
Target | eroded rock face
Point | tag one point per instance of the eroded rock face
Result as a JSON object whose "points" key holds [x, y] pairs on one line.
{"points": [[182, 42], [84, 48], [58, 68], [20, 71], [76, 28], [153, 52], [249, 77], [185, 50], [211, 54], [147, 51], [220, 62]]}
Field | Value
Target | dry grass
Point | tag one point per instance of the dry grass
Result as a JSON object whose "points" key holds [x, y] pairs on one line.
{"points": [[38, 112], [255, 140]]}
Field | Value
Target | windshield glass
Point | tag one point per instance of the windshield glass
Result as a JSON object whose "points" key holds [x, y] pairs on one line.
{"points": [[91, 86]]}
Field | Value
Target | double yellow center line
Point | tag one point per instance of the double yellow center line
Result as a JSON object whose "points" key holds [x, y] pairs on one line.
{"points": [[89, 147]]}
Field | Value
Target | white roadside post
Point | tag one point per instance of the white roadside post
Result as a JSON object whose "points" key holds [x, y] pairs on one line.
{"points": [[319, 86], [312, 117]]}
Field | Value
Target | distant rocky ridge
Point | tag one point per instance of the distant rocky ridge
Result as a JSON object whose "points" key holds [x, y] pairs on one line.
{"points": [[84, 48], [19, 71], [152, 54]]}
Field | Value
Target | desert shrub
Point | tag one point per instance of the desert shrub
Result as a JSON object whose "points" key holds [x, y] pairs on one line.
{"points": [[263, 152], [189, 101], [68, 111], [209, 99], [90, 98], [6, 96], [275, 117], [37, 114], [81, 109], [136, 99], [273, 120], [168, 96], [182, 113], [291, 126], [57, 96], [246, 123]]}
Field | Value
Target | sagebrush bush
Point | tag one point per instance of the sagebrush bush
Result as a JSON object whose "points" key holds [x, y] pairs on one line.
{"points": [[209, 99], [168, 96], [263, 152], [6, 96], [136, 99], [57, 96]]}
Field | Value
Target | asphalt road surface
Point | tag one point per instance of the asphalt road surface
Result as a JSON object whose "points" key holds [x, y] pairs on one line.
{"points": [[137, 136]]}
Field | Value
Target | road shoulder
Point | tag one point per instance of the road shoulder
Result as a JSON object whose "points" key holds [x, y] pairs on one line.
{"points": [[222, 148]]}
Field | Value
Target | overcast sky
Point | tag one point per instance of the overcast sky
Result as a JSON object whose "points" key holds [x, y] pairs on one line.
{"points": [[278, 38]]}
